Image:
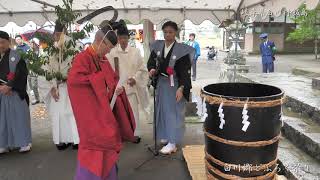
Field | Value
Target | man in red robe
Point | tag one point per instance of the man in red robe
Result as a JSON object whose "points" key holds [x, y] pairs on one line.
{"points": [[91, 86]]}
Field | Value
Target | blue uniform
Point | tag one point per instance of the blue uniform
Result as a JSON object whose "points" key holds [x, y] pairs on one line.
{"points": [[267, 56]]}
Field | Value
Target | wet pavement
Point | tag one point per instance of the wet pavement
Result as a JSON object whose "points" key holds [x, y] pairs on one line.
{"points": [[297, 164], [297, 87], [300, 95], [45, 162]]}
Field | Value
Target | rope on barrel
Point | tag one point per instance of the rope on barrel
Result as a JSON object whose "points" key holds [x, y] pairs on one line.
{"points": [[242, 143], [228, 176], [241, 167], [239, 103]]}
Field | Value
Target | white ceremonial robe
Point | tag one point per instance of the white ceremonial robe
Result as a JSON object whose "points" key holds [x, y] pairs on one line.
{"points": [[64, 127], [131, 65]]}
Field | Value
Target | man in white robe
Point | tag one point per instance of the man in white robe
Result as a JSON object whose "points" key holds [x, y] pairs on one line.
{"points": [[64, 127], [131, 68]]}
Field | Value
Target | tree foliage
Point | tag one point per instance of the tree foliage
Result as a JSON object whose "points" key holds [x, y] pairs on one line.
{"points": [[308, 25], [67, 17]]}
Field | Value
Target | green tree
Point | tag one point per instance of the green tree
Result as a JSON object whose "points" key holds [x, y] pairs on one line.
{"points": [[308, 22], [66, 16]]}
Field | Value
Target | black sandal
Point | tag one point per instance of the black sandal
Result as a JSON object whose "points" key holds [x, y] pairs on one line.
{"points": [[138, 140], [62, 146]]}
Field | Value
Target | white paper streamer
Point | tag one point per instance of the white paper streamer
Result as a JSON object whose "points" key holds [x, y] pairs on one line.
{"points": [[221, 115], [114, 97], [245, 118], [3, 81], [171, 81], [281, 116]]}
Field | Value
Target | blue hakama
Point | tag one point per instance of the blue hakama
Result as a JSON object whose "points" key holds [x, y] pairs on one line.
{"points": [[170, 113]]}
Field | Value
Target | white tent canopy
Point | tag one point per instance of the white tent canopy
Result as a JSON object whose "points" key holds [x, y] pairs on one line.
{"points": [[38, 11]]}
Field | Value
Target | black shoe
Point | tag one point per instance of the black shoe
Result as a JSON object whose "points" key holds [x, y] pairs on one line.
{"points": [[74, 146], [36, 102], [138, 140], [62, 146]]}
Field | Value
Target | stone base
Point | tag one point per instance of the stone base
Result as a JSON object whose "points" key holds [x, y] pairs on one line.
{"points": [[316, 83], [239, 68], [304, 134], [307, 72], [300, 96], [227, 72], [296, 164], [191, 109]]}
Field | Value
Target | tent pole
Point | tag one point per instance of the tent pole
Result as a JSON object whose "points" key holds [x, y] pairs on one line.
{"points": [[43, 3]]}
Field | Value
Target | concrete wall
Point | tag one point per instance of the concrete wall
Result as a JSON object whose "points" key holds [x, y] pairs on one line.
{"points": [[252, 42], [248, 43], [306, 47], [147, 37], [278, 39]]}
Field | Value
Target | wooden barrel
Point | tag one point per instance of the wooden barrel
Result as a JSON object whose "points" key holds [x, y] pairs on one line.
{"points": [[242, 130]]}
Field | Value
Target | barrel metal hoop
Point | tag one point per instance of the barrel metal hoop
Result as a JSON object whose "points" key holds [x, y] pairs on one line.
{"points": [[242, 143], [228, 176], [241, 167], [238, 103]]}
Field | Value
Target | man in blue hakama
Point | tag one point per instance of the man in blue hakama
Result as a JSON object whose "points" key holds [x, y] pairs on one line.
{"points": [[15, 130], [170, 63]]}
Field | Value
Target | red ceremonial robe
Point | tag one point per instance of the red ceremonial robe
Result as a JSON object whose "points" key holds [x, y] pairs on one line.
{"points": [[101, 130]]}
